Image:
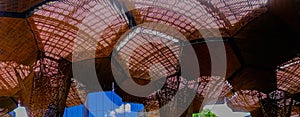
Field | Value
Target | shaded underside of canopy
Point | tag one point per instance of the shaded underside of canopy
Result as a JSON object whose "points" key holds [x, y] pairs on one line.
{"points": [[36, 50]]}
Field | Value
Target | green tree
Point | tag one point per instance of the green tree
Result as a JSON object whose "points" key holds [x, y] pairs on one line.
{"points": [[205, 113]]}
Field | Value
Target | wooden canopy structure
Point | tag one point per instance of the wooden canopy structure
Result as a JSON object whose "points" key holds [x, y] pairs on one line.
{"points": [[40, 40]]}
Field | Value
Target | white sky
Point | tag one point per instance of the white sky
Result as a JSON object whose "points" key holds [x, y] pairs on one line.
{"points": [[20, 112]]}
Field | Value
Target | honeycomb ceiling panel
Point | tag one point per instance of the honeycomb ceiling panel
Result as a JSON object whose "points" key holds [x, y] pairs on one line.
{"points": [[11, 77], [75, 96], [212, 14], [164, 95], [98, 25], [235, 10], [288, 76], [245, 100], [50, 38], [50, 86], [206, 85], [149, 54], [83, 29], [16, 33], [75, 26]]}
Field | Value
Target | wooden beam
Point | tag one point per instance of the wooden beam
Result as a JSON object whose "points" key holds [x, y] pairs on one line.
{"points": [[26, 13]]}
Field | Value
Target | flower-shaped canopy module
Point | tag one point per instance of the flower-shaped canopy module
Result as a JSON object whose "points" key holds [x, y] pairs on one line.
{"points": [[41, 39]]}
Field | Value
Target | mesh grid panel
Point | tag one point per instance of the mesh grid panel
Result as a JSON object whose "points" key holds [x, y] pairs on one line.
{"points": [[246, 100], [288, 76], [76, 30]]}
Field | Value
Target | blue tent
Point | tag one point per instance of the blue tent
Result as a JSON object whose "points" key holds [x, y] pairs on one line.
{"points": [[100, 104]]}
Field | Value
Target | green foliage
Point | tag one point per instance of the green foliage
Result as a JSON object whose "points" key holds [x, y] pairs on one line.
{"points": [[205, 113]]}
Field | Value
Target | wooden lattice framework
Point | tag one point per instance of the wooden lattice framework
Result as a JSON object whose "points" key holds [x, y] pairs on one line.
{"points": [[47, 32]]}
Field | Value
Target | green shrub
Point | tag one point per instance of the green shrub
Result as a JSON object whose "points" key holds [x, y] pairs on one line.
{"points": [[205, 113]]}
